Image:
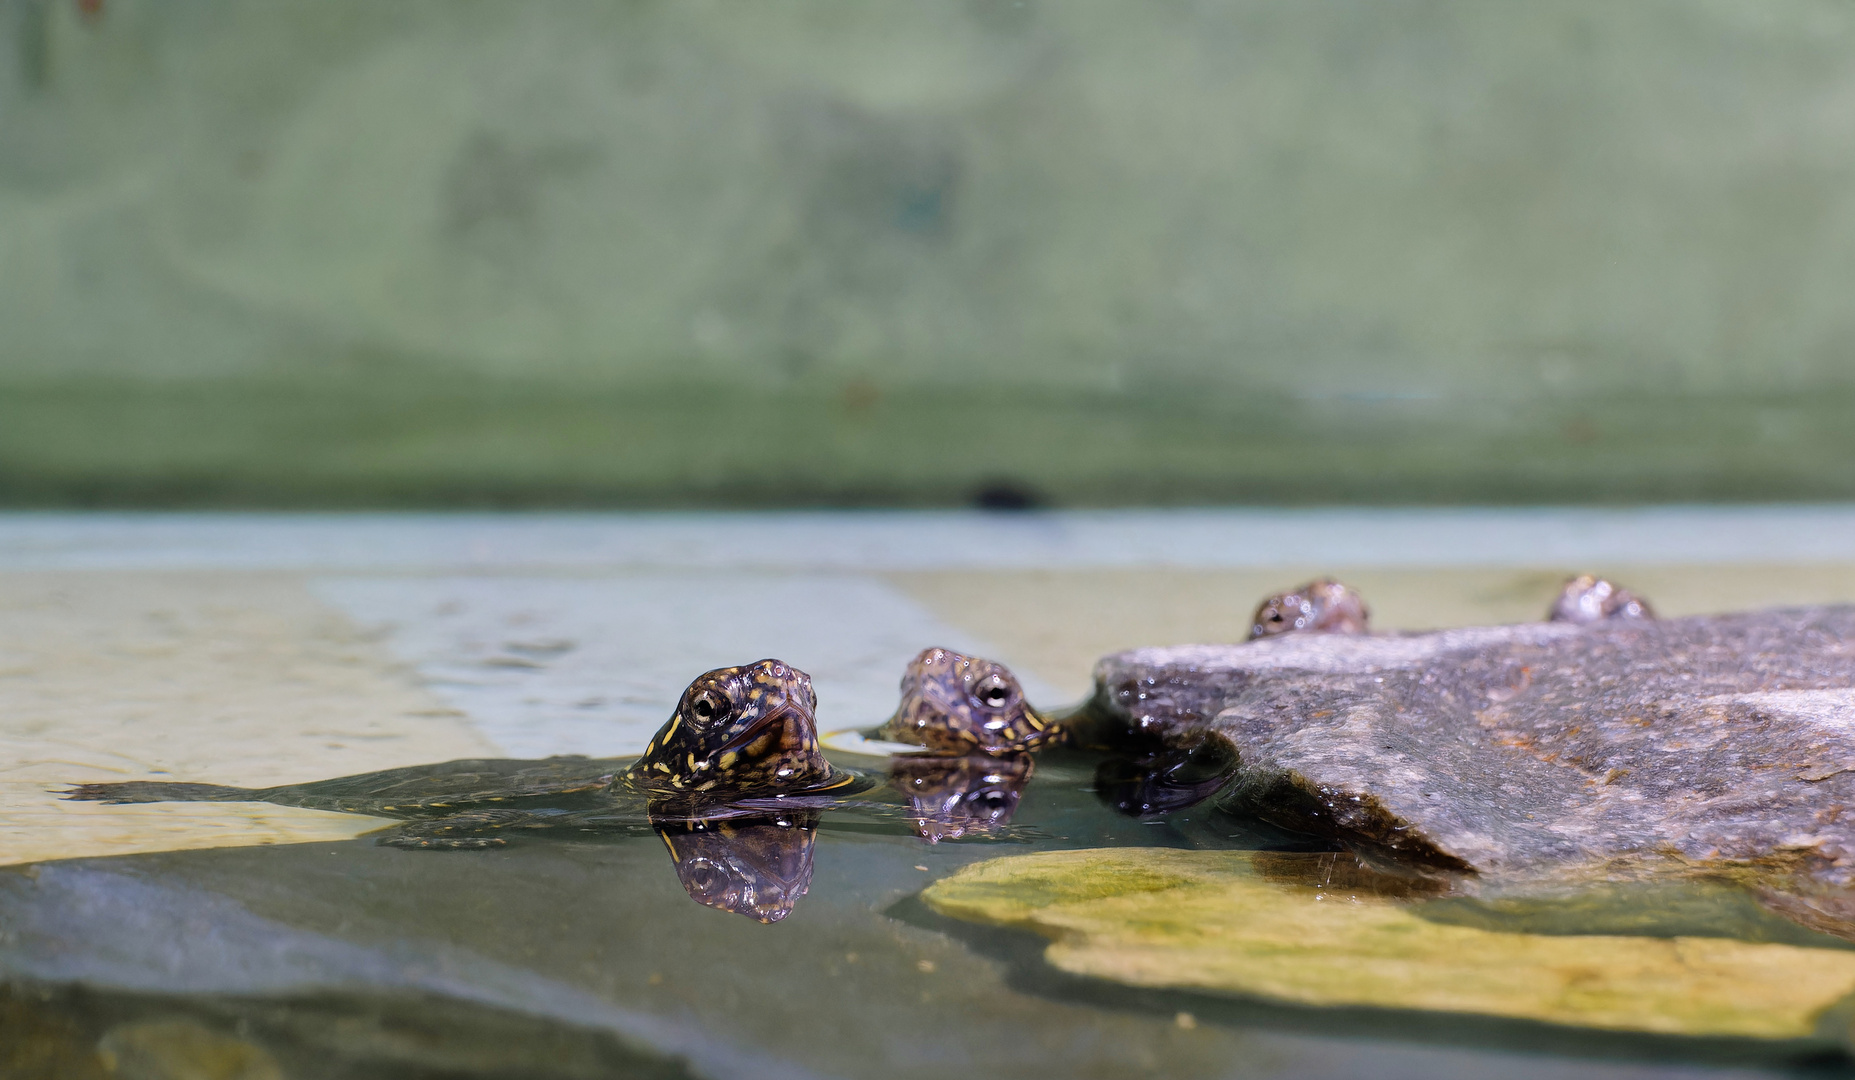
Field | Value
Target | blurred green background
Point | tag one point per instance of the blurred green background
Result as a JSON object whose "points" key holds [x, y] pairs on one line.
{"points": [[788, 253]]}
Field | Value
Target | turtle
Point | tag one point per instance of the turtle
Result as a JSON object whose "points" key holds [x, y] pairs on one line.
{"points": [[738, 733], [1326, 606], [1322, 606], [1588, 599], [733, 783], [958, 704]]}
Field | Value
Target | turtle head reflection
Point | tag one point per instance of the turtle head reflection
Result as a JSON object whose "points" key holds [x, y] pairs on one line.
{"points": [[951, 797], [757, 865], [1166, 780]]}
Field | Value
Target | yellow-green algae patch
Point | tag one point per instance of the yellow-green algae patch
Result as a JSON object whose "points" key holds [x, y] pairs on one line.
{"points": [[1218, 922]]}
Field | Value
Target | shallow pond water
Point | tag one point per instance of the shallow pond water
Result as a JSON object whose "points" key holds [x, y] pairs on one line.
{"points": [[584, 955], [253, 940]]}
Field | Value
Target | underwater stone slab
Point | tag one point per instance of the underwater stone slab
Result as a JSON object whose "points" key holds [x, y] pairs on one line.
{"points": [[1715, 742], [1280, 926]]}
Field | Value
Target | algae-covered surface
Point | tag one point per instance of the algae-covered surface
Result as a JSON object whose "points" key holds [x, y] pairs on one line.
{"points": [[1217, 922]]}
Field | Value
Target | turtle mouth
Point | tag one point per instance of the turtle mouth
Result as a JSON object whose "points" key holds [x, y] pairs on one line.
{"points": [[786, 716]]}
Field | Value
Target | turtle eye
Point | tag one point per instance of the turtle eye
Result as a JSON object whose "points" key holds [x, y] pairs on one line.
{"points": [[709, 707], [992, 692], [705, 879]]}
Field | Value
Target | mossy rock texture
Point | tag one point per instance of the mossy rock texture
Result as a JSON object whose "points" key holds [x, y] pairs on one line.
{"points": [[1276, 927]]}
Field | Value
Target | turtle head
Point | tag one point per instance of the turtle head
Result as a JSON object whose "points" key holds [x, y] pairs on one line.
{"points": [[1323, 606], [1590, 599], [747, 729], [958, 704]]}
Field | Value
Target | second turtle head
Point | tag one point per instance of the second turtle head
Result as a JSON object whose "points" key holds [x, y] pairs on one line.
{"points": [[958, 704], [738, 729], [1322, 606], [1588, 599]]}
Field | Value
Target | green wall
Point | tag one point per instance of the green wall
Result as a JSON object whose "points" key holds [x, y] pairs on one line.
{"points": [[352, 252]]}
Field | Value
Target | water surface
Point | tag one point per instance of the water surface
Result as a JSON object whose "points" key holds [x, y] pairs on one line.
{"points": [[584, 955]]}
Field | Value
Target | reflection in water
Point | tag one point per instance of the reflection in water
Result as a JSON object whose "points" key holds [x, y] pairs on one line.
{"points": [[747, 852], [757, 866], [952, 797], [1347, 874], [740, 736], [1165, 781]]}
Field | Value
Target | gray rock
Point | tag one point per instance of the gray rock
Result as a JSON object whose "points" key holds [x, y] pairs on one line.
{"points": [[1716, 744]]}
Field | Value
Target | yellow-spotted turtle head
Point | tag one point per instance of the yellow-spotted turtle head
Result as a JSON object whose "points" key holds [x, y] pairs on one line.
{"points": [[958, 704], [745, 730]]}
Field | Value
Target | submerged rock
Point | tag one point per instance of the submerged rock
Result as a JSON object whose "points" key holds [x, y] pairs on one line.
{"points": [[1716, 743], [1311, 930]]}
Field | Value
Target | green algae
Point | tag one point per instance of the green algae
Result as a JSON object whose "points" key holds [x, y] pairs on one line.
{"points": [[1221, 923], [1652, 908], [177, 1048]]}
